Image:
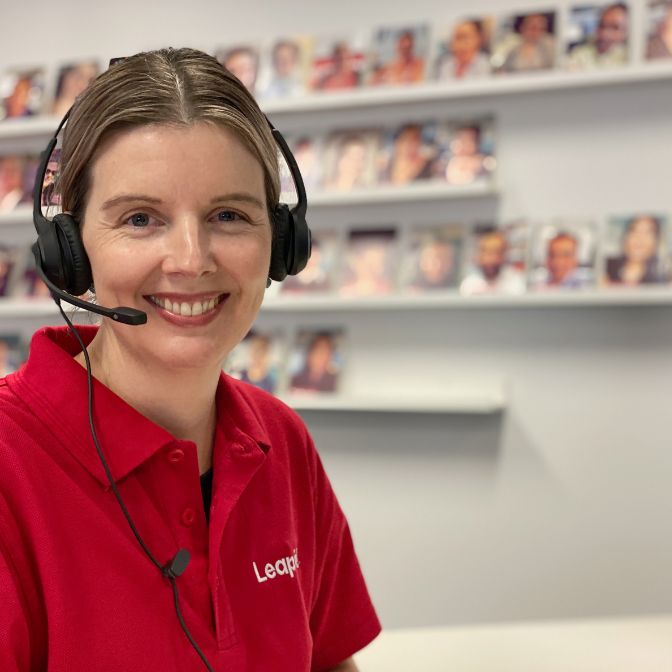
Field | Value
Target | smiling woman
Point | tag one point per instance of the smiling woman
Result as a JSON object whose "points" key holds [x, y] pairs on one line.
{"points": [[169, 182]]}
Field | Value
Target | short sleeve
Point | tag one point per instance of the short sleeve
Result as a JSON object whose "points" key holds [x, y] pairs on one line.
{"points": [[343, 619]]}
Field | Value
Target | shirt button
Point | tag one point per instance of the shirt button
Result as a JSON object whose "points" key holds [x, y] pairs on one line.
{"points": [[176, 455], [188, 517]]}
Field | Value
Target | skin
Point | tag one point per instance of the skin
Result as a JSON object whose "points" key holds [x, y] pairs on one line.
{"points": [[533, 28], [169, 373], [244, 66], [491, 254], [466, 42], [436, 262], [612, 30], [562, 258]]}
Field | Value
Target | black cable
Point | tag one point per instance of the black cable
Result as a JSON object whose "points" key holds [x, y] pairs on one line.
{"points": [[168, 569]]}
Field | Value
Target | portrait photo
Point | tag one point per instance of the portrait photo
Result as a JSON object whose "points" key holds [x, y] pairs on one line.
{"points": [[370, 261], [316, 361], [72, 80], [13, 191], [21, 92], [462, 51], [284, 69], [308, 151], [350, 159], [50, 195], [338, 62], [466, 151], [563, 255], [242, 60], [258, 359], [636, 250], [496, 259], [399, 55], [597, 36], [9, 258], [659, 30], [319, 275], [408, 154], [12, 353], [525, 43], [432, 258]]}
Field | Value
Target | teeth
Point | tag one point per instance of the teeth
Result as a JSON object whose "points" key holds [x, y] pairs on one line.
{"points": [[186, 309]]}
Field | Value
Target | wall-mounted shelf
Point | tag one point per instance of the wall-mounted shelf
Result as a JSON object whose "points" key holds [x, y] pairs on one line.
{"points": [[23, 215], [489, 399], [43, 126]]}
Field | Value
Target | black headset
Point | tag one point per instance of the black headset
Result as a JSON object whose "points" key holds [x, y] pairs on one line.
{"points": [[62, 263]]}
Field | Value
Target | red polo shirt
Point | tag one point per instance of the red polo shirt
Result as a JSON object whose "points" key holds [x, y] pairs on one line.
{"points": [[273, 583]]}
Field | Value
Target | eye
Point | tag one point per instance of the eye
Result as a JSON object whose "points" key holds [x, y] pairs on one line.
{"points": [[229, 216], [139, 220]]}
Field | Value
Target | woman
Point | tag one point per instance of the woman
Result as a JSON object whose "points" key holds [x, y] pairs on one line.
{"points": [[171, 171]]}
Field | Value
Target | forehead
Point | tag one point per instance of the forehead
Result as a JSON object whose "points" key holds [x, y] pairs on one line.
{"points": [[172, 162]]}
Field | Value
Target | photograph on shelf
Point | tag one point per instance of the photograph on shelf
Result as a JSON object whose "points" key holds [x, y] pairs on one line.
{"points": [[597, 36], [408, 154], [496, 259], [463, 50], [370, 261], [432, 258], [399, 55], [72, 80], [338, 62], [466, 152], [350, 159], [319, 273], [12, 353], [316, 361], [258, 360], [29, 284], [17, 175], [242, 60], [563, 255], [635, 250], [284, 68], [9, 258], [49, 194], [659, 34], [309, 152], [21, 92], [525, 43]]}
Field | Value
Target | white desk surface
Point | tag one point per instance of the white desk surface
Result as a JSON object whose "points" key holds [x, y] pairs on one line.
{"points": [[602, 645]]}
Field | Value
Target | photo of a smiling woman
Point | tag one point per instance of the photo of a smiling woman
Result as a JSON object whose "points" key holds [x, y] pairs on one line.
{"points": [[170, 171]]}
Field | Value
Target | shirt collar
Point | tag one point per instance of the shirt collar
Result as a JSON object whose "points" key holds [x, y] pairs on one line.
{"points": [[54, 385]]}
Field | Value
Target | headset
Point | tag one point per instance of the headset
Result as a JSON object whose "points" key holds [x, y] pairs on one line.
{"points": [[63, 265]]}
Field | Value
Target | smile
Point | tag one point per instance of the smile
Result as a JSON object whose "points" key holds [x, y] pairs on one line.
{"points": [[187, 309]]}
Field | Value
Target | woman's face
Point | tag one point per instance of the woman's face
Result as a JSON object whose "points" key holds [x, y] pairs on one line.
{"points": [[176, 225], [641, 240]]}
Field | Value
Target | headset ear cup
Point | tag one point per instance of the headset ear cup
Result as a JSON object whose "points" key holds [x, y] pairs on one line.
{"points": [[75, 262], [282, 233]]}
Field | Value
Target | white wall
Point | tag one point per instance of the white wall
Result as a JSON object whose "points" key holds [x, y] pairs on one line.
{"points": [[559, 508]]}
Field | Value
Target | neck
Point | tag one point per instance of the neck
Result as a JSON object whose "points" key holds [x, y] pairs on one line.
{"points": [[181, 401]]}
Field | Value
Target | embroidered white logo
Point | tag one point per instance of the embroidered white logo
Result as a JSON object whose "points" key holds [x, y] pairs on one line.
{"points": [[286, 565]]}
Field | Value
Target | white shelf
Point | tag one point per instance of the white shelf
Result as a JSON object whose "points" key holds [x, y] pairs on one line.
{"points": [[490, 399], [502, 85], [451, 300], [23, 215], [29, 308]]}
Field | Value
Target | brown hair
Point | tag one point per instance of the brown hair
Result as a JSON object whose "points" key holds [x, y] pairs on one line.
{"points": [[167, 86]]}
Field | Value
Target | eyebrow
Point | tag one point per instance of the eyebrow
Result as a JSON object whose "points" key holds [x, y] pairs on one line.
{"points": [[242, 196]]}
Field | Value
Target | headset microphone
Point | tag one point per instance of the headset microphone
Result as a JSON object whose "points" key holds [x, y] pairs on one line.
{"points": [[120, 314]]}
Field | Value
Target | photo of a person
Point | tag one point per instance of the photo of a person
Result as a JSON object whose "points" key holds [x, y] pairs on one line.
{"points": [[256, 360], [400, 55], [72, 80], [642, 257], [493, 268], [286, 70], [49, 194], [369, 263], [31, 286], [308, 153], [243, 62], [21, 92], [432, 259], [465, 52], [349, 159], [408, 154], [598, 36], [12, 191], [659, 39], [318, 275], [527, 44], [7, 264], [316, 361], [466, 152], [338, 63], [11, 354], [564, 256]]}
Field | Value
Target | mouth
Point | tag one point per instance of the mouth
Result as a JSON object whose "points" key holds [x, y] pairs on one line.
{"points": [[188, 307]]}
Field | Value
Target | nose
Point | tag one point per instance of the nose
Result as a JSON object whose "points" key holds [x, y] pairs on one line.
{"points": [[188, 248]]}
